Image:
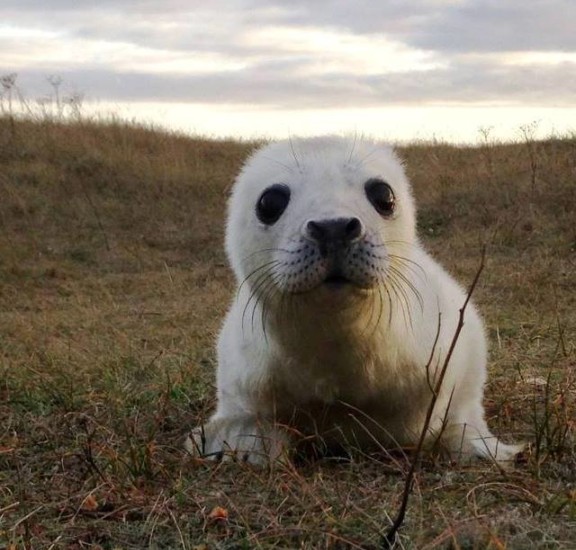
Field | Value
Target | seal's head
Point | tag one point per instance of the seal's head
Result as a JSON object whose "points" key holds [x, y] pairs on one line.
{"points": [[317, 215]]}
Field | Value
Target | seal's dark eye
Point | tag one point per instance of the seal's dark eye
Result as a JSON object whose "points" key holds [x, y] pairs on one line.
{"points": [[272, 203], [381, 196]]}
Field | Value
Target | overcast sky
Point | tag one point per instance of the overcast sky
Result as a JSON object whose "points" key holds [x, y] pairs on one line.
{"points": [[248, 57]]}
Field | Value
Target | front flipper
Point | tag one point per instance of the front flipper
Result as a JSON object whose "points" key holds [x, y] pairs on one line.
{"points": [[241, 438], [465, 441]]}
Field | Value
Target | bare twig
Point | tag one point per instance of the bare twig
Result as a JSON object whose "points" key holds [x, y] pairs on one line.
{"points": [[528, 132], [56, 81], [390, 537]]}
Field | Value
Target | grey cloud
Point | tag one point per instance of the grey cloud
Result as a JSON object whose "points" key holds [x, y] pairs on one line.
{"points": [[474, 26], [174, 25], [279, 85], [538, 25]]}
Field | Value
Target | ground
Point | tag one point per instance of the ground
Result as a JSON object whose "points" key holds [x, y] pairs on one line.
{"points": [[113, 283]]}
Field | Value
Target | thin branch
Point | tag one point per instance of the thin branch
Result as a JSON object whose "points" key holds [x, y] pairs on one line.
{"points": [[390, 538]]}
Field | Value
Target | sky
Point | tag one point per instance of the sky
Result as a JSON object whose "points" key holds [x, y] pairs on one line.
{"points": [[398, 69]]}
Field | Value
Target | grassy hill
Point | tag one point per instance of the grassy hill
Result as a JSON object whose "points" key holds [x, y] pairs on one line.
{"points": [[113, 283]]}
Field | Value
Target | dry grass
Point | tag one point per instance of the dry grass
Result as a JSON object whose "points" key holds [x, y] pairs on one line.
{"points": [[113, 282]]}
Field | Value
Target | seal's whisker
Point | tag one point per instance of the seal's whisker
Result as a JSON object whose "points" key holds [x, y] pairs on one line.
{"points": [[392, 289], [261, 279], [372, 307], [409, 284], [294, 153], [402, 297], [390, 304], [265, 290], [260, 300], [255, 291], [361, 162], [412, 265], [377, 309], [276, 161], [267, 293], [380, 309], [353, 148], [255, 272], [273, 289], [409, 308]]}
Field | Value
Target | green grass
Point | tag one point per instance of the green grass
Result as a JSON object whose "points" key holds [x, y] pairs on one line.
{"points": [[113, 283]]}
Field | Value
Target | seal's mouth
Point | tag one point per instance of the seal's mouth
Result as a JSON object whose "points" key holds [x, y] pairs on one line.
{"points": [[337, 281]]}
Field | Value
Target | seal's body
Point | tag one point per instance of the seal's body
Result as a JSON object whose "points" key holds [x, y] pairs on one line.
{"points": [[342, 321]]}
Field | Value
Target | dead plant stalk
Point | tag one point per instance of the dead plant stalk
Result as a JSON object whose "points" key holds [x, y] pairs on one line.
{"points": [[390, 537]]}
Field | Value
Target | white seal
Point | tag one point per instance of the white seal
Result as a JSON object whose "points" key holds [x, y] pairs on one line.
{"points": [[342, 321]]}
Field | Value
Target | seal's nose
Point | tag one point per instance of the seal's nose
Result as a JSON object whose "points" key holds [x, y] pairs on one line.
{"points": [[337, 230]]}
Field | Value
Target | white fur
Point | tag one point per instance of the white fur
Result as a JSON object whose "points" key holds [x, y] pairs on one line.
{"points": [[351, 365]]}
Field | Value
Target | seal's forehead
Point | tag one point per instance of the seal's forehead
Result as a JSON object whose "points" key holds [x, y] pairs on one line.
{"points": [[348, 159]]}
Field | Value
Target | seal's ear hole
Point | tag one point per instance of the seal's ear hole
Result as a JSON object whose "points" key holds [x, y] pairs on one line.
{"points": [[381, 196], [272, 203]]}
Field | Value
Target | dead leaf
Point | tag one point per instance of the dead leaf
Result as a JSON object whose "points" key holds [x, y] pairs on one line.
{"points": [[218, 514], [89, 504]]}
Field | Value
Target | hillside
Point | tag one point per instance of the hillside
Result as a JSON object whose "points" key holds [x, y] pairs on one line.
{"points": [[113, 282]]}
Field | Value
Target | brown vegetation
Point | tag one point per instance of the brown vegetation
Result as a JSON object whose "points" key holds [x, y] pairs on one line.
{"points": [[113, 282]]}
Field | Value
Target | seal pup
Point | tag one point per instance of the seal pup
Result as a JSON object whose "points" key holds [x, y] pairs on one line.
{"points": [[342, 321]]}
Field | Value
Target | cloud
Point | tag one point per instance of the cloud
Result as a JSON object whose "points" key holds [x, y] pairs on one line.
{"points": [[281, 86], [492, 26], [296, 54], [450, 25]]}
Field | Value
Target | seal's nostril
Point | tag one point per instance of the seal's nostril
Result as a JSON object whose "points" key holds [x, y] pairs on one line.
{"points": [[316, 230], [353, 229], [334, 230]]}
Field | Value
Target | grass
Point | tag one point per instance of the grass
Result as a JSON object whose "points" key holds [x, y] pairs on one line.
{"points": [[113, 282]]}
